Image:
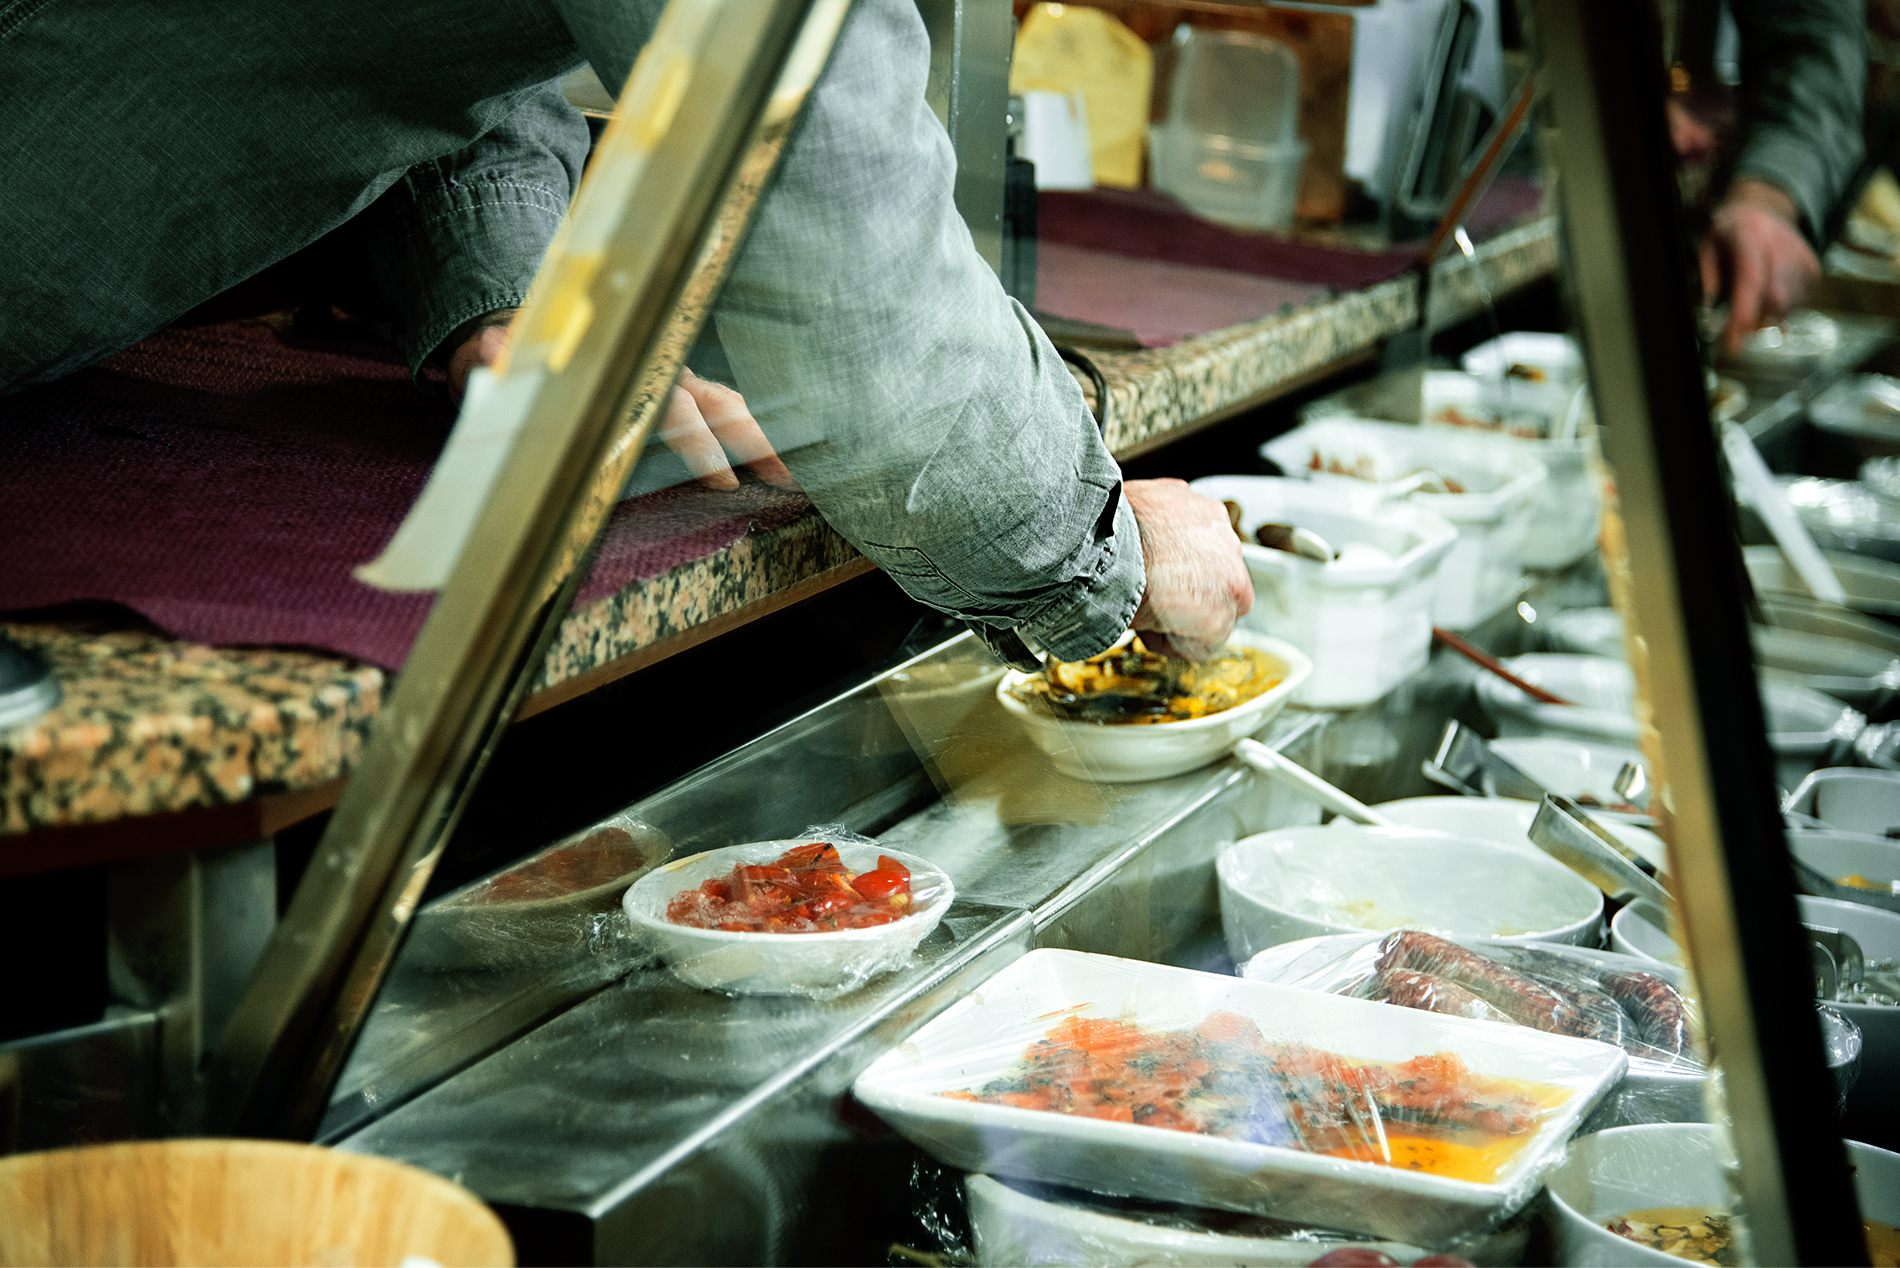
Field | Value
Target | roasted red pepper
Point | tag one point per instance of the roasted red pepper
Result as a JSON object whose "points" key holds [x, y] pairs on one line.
{"points": [[808, 889]]}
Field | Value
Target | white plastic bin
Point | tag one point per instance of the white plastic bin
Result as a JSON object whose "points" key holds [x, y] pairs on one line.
{"points": [[1492, 514], [1556, 357], [1569, 506], [1366, 618]]}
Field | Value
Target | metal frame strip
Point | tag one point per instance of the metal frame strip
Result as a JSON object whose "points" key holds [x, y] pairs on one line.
{"points": [[1631, 274]]}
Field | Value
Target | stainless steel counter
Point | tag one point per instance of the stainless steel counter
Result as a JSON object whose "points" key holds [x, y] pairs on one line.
{"points": [[616, 1115]]}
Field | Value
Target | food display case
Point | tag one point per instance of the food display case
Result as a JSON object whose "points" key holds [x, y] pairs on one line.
{"points": [[1495, 891]]}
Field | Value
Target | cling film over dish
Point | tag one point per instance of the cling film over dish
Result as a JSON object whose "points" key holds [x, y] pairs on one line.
{"points": [[1558, 990], [817, 915], [1431, 1114], [1171, 1085]]}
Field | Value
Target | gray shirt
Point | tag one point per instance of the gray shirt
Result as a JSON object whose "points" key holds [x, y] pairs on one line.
{"points": [[928, 417]]}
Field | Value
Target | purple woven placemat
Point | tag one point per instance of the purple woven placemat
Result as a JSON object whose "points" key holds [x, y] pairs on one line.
{"points": [[1137, 260], [223, 481]]}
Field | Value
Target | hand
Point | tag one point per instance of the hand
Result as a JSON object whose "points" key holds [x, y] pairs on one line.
{"points": [[706, 421], [482, 341], [1197, 583], [1770, 265]]}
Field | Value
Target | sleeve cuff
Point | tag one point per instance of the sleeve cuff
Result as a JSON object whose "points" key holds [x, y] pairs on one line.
{"points": [[475, 252], [1793, 167], [1097, 609]]}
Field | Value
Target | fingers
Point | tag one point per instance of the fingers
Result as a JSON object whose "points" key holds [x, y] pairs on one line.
{"points": [[725, 413], [685, 432], [483, 347], [1197, 582], [1745, 295], [1711, 262]]}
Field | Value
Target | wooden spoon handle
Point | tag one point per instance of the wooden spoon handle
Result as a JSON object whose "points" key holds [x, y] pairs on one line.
{"points": [[1492, 663]]}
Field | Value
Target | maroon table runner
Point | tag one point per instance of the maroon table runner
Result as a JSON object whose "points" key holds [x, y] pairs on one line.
{"points": [[223, 481]]}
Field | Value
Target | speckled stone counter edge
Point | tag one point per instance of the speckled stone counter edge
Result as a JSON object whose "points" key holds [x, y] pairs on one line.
{"points": [[151, 724]]}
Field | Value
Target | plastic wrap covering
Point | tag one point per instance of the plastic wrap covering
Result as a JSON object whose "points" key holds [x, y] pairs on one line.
{"points": [[548, 907], [816, 916], [1019, 1222], [1559, 989], [1141, 1080]]}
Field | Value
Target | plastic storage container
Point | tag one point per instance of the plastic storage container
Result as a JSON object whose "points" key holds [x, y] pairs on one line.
{"points": [[1365, 618], [1492, 514], [1230, 148], [1564, 526]]}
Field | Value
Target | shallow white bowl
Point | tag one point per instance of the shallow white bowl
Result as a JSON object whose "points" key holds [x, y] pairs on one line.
{"points": [[1573, 768], [1630, 934], [1873, 1107], [1302, 882], [814, 965], [1850, 800], [1558, 356], [1115, 754], [1838, 854], [1640, 1168], [1601, 691], [1508, 822]]}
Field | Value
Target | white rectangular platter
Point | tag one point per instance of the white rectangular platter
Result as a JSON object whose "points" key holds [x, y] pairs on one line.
{"points": [[979, 1038]]}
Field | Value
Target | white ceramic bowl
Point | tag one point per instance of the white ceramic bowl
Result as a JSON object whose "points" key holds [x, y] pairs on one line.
{"points": [[1806, 729], [1630, 934], [1588, 631], [1601, 689], [1850, 800], [1303, 882], [1654, 1165], [1873, 1107], [814, 965], [1508, 822], [1574, 769], [1119, 754], [1838, 854]]}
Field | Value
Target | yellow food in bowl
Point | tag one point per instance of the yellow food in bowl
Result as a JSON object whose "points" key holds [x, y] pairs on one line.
{"points": [[1131, 686]]}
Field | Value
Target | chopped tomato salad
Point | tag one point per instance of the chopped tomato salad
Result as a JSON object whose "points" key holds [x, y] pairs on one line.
{"points": [[807, 889]]}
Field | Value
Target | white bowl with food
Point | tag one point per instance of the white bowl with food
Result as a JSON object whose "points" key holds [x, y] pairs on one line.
{"points": [[1508, 822], [1303, 882], [1850, 859], [1125, 752], [1873, 1106], [1526, 356], [820, 964], [1486, 487], [1365, 617], [1665, 1183]]}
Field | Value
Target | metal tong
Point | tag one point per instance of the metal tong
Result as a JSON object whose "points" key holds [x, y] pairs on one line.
{"points": [[1463, 760], [1563, 831]]}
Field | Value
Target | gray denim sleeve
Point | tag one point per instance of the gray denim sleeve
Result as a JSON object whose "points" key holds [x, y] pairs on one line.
{"points": [[462, 235], [1804, 70], [924, 411]]}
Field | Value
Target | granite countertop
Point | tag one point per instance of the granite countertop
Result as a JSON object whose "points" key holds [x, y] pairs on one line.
{"points": [[150, 724]]}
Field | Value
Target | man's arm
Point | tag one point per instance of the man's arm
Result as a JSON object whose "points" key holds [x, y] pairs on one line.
{"points": [[1804, 65], [456, 241]]}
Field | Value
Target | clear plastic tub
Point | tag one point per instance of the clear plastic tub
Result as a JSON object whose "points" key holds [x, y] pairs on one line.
{"points": [[1249, 186], [1492, 514], [1229, 148], [1365, 618]]}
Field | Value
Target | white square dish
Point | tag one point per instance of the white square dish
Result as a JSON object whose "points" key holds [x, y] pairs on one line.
{"points": [[981, 1037]]}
